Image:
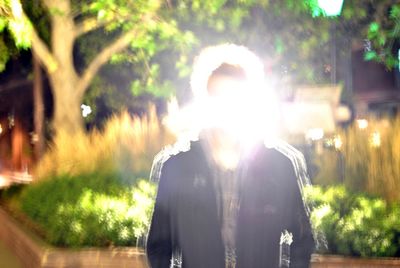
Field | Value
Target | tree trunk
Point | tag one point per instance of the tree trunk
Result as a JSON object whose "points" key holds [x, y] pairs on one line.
{"points": [[38, 107], [67, 117], [64, 80]]}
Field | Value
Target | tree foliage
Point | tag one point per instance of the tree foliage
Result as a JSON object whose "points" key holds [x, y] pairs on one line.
{"points": [[150, 45]]}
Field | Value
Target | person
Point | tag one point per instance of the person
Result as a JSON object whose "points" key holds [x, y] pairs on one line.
{"points": [[219, 203]]}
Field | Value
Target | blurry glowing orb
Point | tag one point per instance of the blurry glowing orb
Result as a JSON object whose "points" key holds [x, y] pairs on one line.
{"points": [[3, 181], [375, 139], [249, 114], [362, 123], [1, 129], [16, 9], [212, 57], [337, 142], [315, 134], [331, 7], [86, 110]]}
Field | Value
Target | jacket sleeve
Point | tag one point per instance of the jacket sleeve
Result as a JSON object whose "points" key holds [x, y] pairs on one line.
{"points": [[159, 242], [303, 242]]}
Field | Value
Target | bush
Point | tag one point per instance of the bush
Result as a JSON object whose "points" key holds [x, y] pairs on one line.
{"points": [[126, 145], [371, 159], [89, 210], [86, 190], [355, 224]]}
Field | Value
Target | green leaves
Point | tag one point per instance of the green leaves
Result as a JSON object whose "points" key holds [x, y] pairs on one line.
{"points": [[370, 55], [354, 223], [383, 33], [395, 12], [4, 54], [373, 28], [91, 210], [3, 24], [21, 31]]}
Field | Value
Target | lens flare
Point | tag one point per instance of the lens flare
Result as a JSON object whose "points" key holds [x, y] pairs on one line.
{"points": [[248, 113]]}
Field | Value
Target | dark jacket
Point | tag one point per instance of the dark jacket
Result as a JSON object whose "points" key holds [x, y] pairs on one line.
{"points": [[185, 217]]}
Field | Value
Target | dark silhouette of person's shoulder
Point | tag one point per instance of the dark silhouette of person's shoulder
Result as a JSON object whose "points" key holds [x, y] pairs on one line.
{"points": [[270, 155]]}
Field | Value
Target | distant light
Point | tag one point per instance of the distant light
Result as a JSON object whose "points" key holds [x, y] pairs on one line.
{"points": [[376, 139], [362, 123], [315, 134], [1, 129], [337, 142], [3, 181], [86, 110], [331, 8], [11, 120]]}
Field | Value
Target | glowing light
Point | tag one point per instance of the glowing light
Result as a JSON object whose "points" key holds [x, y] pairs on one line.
{"points": [[3, 181], [16, 9], [362, 123], [375, 139], [315, 134], [1, 129], [337, 142], [86, 110], [11, 121], [212, 57], [331, 7], [248, 114]]}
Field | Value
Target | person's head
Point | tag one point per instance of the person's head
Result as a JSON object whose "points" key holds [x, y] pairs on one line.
{"points": [[230, 95], [225, 80], [228, 60]]}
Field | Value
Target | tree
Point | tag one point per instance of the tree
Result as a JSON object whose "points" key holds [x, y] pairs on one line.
{"points": [[69, 20], [160, 37]]}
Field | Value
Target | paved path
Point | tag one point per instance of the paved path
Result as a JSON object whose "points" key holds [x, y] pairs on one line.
{"points": [[7, 259]]}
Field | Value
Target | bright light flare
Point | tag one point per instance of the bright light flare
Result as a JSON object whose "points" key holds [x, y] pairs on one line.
{"points": [[375, 139], [86, 110], [315, 134], [3, 181], [248, 113], [331, 7], [362, 123], [1, 129], [337, 142], [245, 116]]}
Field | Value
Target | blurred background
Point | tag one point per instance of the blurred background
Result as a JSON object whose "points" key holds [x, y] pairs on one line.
{"points": [[85, 88]]}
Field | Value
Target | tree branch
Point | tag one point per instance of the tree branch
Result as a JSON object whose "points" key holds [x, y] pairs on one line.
{"points": [[38, 46], [116, 46], [89, 25], [92, 23], [43, 53]]}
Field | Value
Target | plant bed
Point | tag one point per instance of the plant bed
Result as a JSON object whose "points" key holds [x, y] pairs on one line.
{"points": [[34, 252], [112, 217], [336, 261]]}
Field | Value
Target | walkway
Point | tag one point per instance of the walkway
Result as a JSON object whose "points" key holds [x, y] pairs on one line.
{"points": [[7, 259]]}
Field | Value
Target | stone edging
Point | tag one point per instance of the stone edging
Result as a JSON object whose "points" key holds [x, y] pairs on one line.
{"points": [[34, 253], [333, 261]]}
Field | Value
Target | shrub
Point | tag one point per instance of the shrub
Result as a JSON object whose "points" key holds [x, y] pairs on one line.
{"points": [[126, 146], [371, 159], [355, 224], [86, 190], [92, 210]]}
